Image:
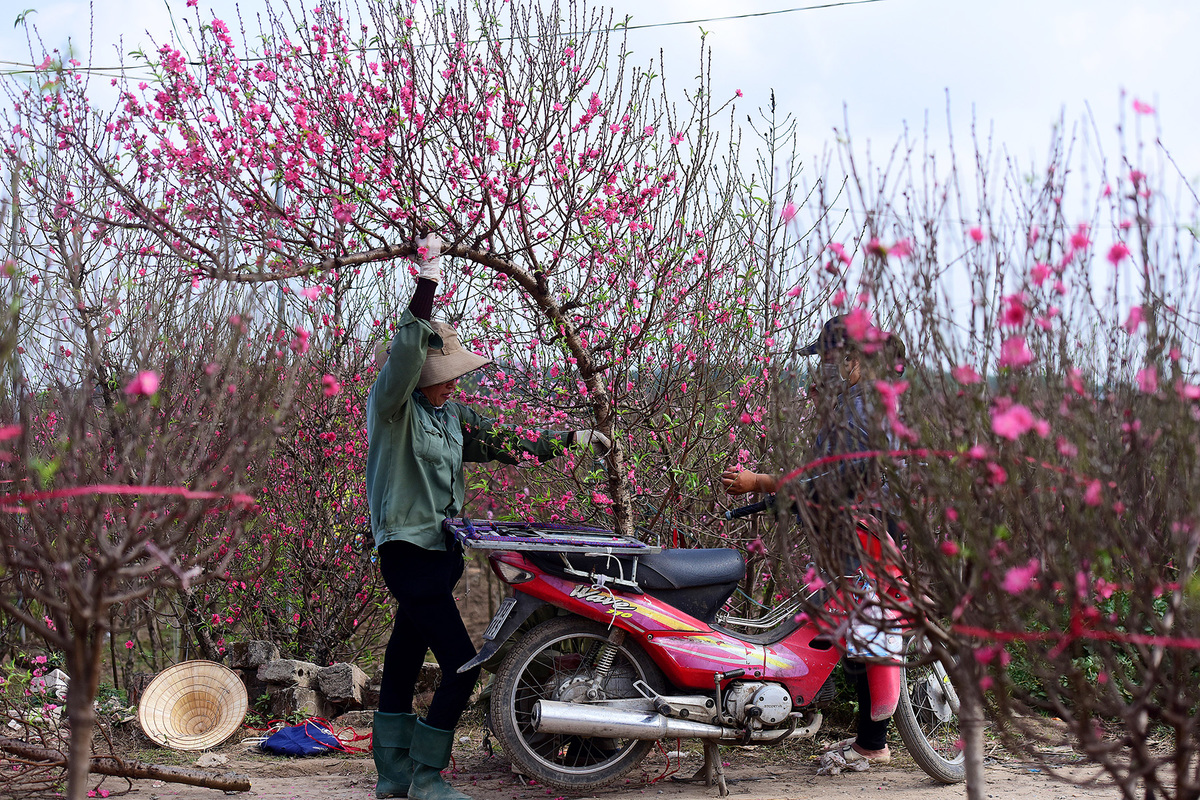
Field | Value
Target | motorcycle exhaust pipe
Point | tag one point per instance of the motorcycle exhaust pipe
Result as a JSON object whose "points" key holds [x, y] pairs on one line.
{"points": [[550, 716], [576, 719]]}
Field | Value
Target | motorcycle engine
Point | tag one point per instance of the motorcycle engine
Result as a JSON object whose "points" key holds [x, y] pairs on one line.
{"points": [[768, 702]]}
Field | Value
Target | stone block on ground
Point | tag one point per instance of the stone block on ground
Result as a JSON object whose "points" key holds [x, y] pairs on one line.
{"points": [[429, 677], [287, 701], [287, 672], [254, 687], [252, 654], [343, 685]]}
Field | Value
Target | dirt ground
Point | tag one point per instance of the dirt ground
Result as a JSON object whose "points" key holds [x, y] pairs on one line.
{"points": [[789, 771]]}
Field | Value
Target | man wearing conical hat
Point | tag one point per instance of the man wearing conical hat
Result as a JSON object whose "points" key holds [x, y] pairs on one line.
{"points": [[418, 439]]}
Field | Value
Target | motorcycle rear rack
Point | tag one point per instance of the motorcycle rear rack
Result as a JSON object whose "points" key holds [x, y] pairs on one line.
{"points": [[554, 538]]}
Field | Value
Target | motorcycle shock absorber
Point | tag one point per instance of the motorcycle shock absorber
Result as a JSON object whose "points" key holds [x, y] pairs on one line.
{"points": [[604, 662]]}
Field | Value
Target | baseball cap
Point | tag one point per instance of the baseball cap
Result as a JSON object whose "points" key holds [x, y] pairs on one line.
{"points": [[831, 337]]}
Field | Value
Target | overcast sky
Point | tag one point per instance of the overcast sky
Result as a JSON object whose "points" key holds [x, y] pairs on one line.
{"points": [[1016, 65]]}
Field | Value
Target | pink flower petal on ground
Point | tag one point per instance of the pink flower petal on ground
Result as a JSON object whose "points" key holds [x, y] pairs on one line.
{"points": [[1133, 321], [1012, 422], [965, 375], [1018, 579], [144, 384]]}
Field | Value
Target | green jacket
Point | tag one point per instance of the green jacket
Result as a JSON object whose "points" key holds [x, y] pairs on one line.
{"points": [[416, 452]]}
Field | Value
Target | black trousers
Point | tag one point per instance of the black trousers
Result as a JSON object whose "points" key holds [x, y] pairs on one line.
{"points": [[422, 581], [870, 735]]}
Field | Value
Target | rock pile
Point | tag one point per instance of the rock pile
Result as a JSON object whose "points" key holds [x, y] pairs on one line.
{"points": [[293, 687]]}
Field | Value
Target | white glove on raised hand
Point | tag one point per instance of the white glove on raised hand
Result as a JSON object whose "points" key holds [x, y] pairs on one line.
{"points": [[596, 440], [428, 260]]}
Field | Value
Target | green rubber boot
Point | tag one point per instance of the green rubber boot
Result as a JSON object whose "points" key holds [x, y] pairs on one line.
{"points": [[391, 738], [430, 754]]}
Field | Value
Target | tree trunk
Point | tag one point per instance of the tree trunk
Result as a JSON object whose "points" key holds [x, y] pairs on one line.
{"points": [[970, 725], [198, 628], [124, 768], [84, 661]]}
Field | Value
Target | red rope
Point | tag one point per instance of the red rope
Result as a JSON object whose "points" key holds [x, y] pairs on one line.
{"points": [[1078, 631], [667, 771], [124, 489]]}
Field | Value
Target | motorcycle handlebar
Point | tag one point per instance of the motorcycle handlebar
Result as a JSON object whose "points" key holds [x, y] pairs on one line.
{"points": [[754, 508]]}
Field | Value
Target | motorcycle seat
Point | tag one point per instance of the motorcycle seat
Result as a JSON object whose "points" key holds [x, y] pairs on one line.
{"points": [[669, 569]]}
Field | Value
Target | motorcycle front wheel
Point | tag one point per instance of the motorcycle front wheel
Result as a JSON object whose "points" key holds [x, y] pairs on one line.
{"points": [[562, 659], [927, 715]]}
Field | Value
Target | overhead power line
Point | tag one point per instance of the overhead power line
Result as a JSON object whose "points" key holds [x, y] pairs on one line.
{"points": [[745, 16], [23, 68]]}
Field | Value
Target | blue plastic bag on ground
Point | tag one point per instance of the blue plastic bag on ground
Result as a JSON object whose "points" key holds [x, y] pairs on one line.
{"points": [[306, 739]]}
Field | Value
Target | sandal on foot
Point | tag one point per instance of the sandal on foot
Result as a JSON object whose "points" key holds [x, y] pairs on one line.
{"points": [[846, 757]]}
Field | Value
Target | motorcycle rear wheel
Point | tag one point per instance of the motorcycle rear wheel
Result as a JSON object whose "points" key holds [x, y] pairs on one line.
{"points": [[557, 661], [927, 716]]}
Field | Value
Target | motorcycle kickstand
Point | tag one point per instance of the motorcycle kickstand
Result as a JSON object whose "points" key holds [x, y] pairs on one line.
{"points": [[713, 772]]}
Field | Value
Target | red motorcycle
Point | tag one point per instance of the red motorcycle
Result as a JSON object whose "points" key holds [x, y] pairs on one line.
{"points": [[635, 646]]}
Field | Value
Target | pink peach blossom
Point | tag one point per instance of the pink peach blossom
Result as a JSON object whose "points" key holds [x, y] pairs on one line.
{"points": [[1118, 253], [144, 384], [1133, 321], [1039, 273], [965, 375], [1018, 579], [1080, 239], [858, 324], [1012, 422], [1014, 353], [1013, 314]]}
